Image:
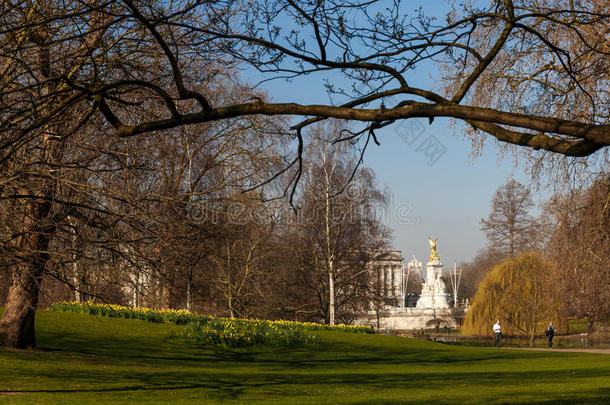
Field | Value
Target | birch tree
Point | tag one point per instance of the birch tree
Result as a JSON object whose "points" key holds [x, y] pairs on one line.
{"points": [[338, 224]]}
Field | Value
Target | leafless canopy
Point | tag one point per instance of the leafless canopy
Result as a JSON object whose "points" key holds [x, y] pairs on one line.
{"points": [[510, 229], [530, 74]]}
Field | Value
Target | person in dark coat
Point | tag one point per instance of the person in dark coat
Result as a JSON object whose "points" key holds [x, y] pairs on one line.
{"points": [[550, 332]]}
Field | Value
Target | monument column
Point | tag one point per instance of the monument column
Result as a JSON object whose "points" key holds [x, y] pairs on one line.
{"points": [[388, 281], [399, 284], [385, 281]]}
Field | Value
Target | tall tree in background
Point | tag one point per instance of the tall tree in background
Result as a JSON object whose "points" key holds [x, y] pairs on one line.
{"points": [[240, 260], [510, 228], [580, 244]]}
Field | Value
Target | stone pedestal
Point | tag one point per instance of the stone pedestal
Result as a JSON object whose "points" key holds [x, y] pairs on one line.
{"points": [[434, 294], [407, 319]]}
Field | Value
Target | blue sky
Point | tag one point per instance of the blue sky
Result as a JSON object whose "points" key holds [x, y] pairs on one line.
{"points": [[444, 199], [447, 199]]}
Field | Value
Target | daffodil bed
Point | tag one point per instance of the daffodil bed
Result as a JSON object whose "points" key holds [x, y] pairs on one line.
{"points": [[208, 330], [235, 333]]}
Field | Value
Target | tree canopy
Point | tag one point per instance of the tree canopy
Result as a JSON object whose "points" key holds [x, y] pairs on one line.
{"points": [[579, 242], [530, 75], [510, 228]]}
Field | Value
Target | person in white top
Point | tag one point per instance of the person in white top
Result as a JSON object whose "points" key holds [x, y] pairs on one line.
{"points": [[498, 332]]}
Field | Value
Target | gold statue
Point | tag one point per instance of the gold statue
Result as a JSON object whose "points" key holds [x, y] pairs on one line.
{"points": [[433, 255]]}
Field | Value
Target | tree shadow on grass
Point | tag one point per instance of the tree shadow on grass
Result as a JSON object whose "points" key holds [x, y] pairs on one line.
{"points": [[332, 353], [363, 366], [99, 336], [232, 386], [596, 397]]}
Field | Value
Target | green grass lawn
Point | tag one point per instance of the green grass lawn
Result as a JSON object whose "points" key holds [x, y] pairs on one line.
{"points": [[92, 359]]}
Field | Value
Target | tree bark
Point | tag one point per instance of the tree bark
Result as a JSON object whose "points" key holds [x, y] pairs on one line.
{"points": [[40, 219], [596, 136], [17, 323], [331, 299], [39, 225]]}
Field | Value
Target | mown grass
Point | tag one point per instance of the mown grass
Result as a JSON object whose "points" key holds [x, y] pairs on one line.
{"points": [[92, 359]]}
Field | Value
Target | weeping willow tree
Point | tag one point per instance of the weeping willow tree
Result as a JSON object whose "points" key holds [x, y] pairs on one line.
{"points": [[520, 293]]}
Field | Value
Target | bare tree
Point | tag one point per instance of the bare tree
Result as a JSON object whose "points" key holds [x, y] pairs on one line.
{"points": [[240, 256], [338, 224], [580, 245], [475, 270], [381, 50], [377, 48], [558, 65], [88, 205], [510, 228]]}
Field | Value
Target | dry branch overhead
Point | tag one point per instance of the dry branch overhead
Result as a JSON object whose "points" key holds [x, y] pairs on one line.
{"points": [[533, 76]]}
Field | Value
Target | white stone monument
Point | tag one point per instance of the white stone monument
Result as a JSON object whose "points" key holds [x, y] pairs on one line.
{"points": [[431, 308], [434, 294]]}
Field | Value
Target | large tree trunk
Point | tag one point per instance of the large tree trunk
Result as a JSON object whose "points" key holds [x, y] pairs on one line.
{"points": [[17, 323], [40, 219]]}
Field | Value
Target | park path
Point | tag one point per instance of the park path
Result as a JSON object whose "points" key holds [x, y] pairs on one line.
{"points": [[546, 349]]}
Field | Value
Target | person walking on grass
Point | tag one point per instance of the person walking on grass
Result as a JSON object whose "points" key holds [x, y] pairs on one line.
{"points": [[550, 332], [498, 332]]}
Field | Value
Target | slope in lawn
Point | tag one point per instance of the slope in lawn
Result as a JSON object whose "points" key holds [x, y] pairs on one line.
{"points": [[91, 359]]}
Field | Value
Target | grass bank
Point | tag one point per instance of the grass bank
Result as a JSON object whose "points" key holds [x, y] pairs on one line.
{"points": [[94, 359]]}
